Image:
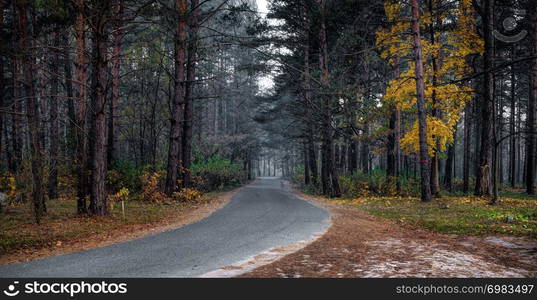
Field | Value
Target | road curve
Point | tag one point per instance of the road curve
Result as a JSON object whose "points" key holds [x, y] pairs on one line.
{"points": [[260, 216]]}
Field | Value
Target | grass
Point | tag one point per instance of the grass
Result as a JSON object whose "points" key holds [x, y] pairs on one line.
{"points": [[18, 230], [469, 215]]}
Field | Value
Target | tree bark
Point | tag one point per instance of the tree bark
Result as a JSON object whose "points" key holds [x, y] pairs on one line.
{"points": [[191, 77], [530, 124], [306, 165], [331, 181], [467, 143], [98, 138], [81, 77], [312, 158], [71, 114], [2, 83], [54, 122], [18, 98], [435, 168], [420, 91], [113, 121], [176, 128], [483, 185], [512, 124], [32, 111], [450, 163]]}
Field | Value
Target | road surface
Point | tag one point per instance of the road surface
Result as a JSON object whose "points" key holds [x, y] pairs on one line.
{"points": [[260, 216]]}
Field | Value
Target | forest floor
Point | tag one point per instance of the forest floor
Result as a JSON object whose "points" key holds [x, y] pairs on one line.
{"points": [[360, 244], [62, 231]]}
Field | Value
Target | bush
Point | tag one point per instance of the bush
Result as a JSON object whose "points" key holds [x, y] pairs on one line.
{"points": [[187, 195], [216, 174], [124, 174], [362, 185], [151, 183]]}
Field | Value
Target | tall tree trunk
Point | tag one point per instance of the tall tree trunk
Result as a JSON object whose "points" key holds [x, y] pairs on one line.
{"points": [[483, 185], [394, 146], [176, 128], [512, 124], [467, 143], [32, 111], [190, 81], [98, 138], [329, 169], [54, 122], [18, 97], [364, 151], [81, 77], [312, 159], [435, 167], [530, 124], [113, 121], [306, 165], [420, 91], [71, 114], [450, 163], [2, 84]]}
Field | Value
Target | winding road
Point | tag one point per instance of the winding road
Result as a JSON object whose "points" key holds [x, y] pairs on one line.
{"points": [[259, 217]]}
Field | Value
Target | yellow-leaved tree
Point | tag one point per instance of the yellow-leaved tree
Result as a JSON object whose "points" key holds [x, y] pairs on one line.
{"points": [[445, 53]]}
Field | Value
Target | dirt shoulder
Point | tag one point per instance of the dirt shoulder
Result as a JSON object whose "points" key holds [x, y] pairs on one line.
{"points": [[361, 245], [115, 232]]}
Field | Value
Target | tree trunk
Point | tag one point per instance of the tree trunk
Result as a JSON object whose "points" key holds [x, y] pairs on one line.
{"points": [[329, 169], [483, 185], [420, 91], [512, 124], [32, 111], [191, 77], [312, 158], [81, 77], [54, 122], [2, 84], [530, 124], [71, 114], [176, 128], [435, 168], [450, 163], [18, 97], [364, 151], [306, 165], [98, 138], [467, 143], [113, 121]]}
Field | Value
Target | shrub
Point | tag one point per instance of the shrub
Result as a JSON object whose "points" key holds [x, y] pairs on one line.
{"points": [[216, 174], [122, 195], [151, 187], [7, 185], [187, 195], [124, 174]]}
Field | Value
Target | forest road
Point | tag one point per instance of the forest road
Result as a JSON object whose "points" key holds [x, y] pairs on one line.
{"points": [[260, 216]]}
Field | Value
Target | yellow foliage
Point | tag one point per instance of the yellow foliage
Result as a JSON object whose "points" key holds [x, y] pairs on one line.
{"points": [[150, 187], [187, 195], [8, 185], [450, 51], [122, 195]]}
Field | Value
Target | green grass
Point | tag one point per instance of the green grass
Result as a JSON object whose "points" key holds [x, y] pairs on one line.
{"points": [[457, 215]]}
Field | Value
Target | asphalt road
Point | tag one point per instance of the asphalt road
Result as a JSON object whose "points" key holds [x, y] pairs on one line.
{"points": [[258, 217]]}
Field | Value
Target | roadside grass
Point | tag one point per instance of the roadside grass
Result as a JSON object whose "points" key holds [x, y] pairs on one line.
{"points": [[18, 231], [515, 215]]}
